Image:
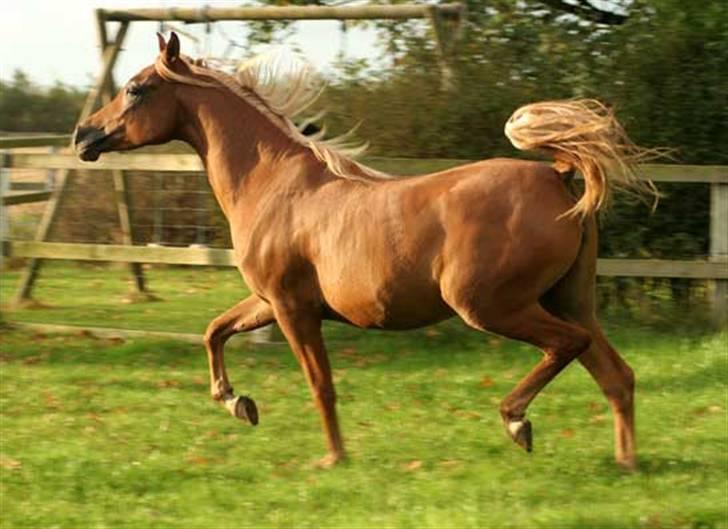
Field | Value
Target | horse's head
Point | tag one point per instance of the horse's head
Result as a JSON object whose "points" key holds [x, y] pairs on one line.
{"points": [[144, 112]]}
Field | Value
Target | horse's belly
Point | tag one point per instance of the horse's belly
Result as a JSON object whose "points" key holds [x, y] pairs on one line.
{"points": [[387, 308]]}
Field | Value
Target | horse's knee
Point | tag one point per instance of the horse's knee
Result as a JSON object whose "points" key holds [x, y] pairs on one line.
{"points": [[214, 334]]}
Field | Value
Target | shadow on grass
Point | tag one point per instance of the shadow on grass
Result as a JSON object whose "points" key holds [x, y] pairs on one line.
{"points": [[652, 465], [402, 351], [688, 378]]}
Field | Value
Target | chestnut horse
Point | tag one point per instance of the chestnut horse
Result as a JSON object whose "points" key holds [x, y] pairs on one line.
{"points": [[505, 244]]}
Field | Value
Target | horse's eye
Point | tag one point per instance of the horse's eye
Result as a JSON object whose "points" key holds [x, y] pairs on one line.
{"points": [[134, 90]]}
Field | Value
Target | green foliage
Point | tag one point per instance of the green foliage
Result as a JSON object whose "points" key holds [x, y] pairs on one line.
{"points": [[25, 107]]}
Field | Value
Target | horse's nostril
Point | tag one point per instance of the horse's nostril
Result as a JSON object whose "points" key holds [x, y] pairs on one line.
{"points": [[85, 136], [81, 133]]}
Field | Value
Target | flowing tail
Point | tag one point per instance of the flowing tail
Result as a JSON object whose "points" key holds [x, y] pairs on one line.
{"points": [[584, 135]]}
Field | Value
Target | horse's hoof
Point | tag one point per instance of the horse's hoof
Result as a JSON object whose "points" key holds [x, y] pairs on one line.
{"points": [[628, 464], [246, 410], [329, 461], [243, 408], [520, 432]]}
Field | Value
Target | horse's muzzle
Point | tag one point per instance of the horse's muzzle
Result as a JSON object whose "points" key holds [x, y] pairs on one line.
{"points": [[88, 142]]}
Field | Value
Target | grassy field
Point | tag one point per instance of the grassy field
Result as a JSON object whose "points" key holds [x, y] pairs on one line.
{"points": [[122, 433]]}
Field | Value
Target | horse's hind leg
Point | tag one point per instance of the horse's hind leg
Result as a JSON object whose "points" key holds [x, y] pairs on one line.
{"points": [[573, 299], [560, 342], [612, 374], [616, 380], [250, 314]]}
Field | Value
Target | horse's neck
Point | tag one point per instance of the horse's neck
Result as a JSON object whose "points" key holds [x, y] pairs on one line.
{"points": [[243, 152]]}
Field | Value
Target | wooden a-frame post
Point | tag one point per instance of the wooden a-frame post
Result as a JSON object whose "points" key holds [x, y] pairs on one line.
{"points": [[122, 198], [102, 89]]}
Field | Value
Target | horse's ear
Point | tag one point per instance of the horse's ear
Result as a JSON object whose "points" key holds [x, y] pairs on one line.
{"points": [[162, 42], [171, 51]]}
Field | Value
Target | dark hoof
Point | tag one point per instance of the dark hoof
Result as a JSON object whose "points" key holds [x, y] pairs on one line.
{"points": [[246, 409], [521, 434]]}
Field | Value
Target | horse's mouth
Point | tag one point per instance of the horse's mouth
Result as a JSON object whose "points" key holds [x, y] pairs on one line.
{"points": [[88, 153], [91, 147]]}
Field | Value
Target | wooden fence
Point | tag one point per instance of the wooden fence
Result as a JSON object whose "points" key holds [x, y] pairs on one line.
{"points": [[714, 269]]}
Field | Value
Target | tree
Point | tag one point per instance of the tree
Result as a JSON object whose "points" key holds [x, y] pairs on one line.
{"points": [[25, 107]]}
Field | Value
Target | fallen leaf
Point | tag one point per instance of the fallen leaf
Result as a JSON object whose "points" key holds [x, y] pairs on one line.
{"points": [[703, 410], [51, 401], [347, 352], [94, 417], [10, 463], [449, 463], [567, 433], [414, 465], [30, 360], [486, 382], [468, 414]]}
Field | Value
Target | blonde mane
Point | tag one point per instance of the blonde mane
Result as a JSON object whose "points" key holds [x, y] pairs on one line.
{"points": [[281, 86]]}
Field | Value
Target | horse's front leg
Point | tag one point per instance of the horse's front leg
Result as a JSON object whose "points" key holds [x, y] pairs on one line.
{"points": [[301, 326], [248, 315]]}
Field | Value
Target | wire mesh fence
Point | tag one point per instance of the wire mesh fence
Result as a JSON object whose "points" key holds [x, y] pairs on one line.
{"points": [[165, 209]]}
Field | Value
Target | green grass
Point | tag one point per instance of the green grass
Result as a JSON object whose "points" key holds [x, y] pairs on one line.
{"points": [[97, 295], [122, 433]]}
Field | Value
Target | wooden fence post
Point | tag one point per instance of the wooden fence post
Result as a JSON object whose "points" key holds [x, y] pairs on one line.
{"points": [[4, 188], [446, 32], [4, 219], [719, 250]]}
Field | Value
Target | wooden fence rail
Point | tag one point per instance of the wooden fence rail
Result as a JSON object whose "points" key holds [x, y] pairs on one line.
{"points": [[687, 269], [211, 14], [188, 163]]}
